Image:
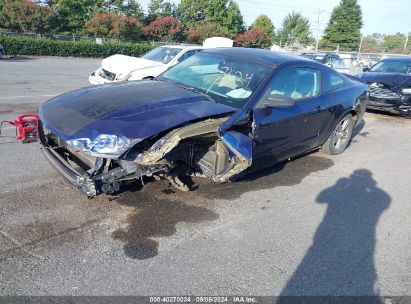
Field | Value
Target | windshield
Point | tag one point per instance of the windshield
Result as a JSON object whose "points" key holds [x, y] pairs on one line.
{"points": [[162, 54], [228, 80], [392, 66]]}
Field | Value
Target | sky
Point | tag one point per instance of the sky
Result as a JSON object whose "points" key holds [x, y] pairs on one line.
{"points": [[379, 16]]}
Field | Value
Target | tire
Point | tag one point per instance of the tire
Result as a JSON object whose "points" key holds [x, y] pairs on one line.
{"points": [[340, 137]]}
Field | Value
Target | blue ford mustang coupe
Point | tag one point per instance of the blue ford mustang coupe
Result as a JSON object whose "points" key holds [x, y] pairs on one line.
{"points": [[221, 113]]}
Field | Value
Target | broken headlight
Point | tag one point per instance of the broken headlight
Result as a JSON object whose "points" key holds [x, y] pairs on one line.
{"points": [[106, 144]]}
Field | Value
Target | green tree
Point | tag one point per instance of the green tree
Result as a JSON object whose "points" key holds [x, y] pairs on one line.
{"points": [[372, 43], [225, 12], [264, 22], [190, 11], [129, 8], [26, 16], [160, 9], [2, 2], [73, 14], [132, 8], [113, 25], [233, 19], [295, 29], [344, 26], [394, 42]]}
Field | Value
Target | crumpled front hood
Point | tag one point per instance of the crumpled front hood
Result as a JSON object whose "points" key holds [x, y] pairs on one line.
{"points": [[390, 79], [136, 110], [122, 64]]}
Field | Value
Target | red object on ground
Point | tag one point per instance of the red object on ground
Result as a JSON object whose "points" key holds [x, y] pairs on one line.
{"points": [[27, 126]]}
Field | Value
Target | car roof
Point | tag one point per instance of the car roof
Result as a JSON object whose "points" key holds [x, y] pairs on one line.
{"points": [[267, 57], [182, 46], [398, 58]]}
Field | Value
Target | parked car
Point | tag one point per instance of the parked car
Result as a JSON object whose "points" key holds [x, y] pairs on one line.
{"points": [[332, 60], [221, 113], [339, 65], [311, 56], [323, 58], [2, 52], [121, 67], [365, 61], [390, 85]]}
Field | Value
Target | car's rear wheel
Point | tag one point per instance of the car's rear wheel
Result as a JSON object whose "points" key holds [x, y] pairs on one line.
{"points": [[340, 137]]}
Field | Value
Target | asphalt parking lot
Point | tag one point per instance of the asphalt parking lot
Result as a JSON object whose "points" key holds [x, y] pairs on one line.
{"points": [[317, 225]]}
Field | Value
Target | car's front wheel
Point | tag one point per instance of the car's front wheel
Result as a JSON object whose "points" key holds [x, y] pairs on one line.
{"points": [[340, 137]]}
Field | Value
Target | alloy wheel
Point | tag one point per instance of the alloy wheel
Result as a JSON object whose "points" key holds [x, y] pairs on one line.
{"points": [[342, 134]]}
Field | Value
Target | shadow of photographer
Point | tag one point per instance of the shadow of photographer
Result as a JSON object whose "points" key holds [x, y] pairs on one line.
{"points": [[340, 261]]}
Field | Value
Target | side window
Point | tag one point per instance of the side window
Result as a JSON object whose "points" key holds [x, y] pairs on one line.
{"points": [[186, 55], [297, 83], [333, 81]]}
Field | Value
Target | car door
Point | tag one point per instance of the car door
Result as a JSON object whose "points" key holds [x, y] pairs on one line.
{"points": [[335, 97], [282, 132]]}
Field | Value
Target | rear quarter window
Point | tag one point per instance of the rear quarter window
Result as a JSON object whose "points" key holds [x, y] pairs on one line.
{"points": [[333, 81]]}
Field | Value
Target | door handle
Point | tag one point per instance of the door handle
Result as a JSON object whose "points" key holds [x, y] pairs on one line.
{"points": [[319, 108]]}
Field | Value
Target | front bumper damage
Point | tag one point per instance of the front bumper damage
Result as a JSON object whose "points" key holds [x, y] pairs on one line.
{"points": [[101, 76], [194, 148], [83, 183], [92, 175], [101, 178], [386, 100]]}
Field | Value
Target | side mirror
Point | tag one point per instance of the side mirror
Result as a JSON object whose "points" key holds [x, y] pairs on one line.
{"points": [[365, 69], [278, 101]]}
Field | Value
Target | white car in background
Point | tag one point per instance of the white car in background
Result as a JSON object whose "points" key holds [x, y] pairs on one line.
{"points": [[123, 68]]}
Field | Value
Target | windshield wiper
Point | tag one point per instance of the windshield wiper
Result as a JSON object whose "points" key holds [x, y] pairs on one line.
{"points": [[194, 90]]}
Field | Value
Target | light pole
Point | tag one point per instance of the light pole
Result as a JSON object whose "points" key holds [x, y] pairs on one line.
{"points": [[359, 49], [318, 13]]}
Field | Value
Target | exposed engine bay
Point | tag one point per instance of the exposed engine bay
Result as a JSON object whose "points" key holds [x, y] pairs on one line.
{"points": [[196, 148]]}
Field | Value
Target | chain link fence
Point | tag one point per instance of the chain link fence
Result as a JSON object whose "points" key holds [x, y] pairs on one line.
{"points": [[84, 38], [354, 61]]}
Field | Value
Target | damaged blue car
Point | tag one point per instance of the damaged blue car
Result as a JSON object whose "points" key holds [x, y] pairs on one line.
{"points": [[221, 113], [390, 85]]}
